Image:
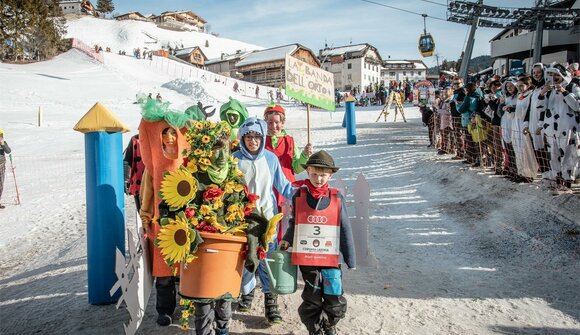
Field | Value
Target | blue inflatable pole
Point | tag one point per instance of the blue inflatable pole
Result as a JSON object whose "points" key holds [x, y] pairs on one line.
{"points": [[105, 200], [350, 121]]}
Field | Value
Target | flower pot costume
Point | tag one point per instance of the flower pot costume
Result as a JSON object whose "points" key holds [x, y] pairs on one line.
{"points": [[206, 218], [157, 119]]}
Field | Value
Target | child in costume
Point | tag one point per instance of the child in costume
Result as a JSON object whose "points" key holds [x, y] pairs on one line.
{"points": [[283, 146], [161, 144], [234, 113], [320, 219], [263, 174]]}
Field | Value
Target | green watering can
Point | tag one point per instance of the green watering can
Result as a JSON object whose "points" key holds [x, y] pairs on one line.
{"points": [[283, 275]]}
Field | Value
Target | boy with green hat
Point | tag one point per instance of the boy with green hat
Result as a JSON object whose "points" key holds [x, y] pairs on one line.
{"points": [[319, 231]]}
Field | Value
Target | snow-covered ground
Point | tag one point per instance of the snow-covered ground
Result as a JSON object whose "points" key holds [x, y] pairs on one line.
{"points": [[454, 250]]}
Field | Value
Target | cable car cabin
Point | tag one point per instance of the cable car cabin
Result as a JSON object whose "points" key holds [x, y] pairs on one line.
{"points": [[426, 45]]}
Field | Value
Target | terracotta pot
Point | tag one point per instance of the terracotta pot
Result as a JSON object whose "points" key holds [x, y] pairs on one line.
{"points": [[217, 270]]}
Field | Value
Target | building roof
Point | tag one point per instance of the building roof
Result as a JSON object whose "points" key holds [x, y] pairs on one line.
{"points": [[268, 55], [343, 49], [126, 14], [187, 51], [227, 58], [417, 64]]}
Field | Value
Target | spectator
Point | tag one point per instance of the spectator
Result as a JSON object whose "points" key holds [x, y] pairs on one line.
{"points": [[540, 149], [508, 103], [559, 115], [4, 149]]}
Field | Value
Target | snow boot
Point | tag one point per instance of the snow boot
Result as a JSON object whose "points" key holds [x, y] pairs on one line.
{"points": [[245, 303], [331, 330], [271, 308], [163, 320]]}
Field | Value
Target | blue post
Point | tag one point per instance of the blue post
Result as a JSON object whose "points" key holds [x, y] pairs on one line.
{"points": [[105, 212], [350, 120], [105, 200]]}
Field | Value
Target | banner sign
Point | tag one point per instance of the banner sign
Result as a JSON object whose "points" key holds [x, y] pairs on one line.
{"points": [[309, 84]]}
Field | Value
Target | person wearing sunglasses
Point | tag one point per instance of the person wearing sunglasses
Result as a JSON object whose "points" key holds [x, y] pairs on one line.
{"points": [[263, 174]]}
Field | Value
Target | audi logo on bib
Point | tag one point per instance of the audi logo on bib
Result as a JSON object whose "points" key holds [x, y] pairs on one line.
{"points": [[317, 219]]}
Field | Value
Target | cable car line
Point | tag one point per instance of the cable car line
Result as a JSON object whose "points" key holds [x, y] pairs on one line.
{"points": [[404, 10]]}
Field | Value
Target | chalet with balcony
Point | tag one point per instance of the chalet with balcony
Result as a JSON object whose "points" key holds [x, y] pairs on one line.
{"points": [[266, 67], [352, 66], [225, 65], [180, 21], [401, 70], [192, 55]]}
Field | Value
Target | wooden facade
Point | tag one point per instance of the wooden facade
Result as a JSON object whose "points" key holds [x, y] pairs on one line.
{"points": [[226, 64], [192, 55], [266, 67]]}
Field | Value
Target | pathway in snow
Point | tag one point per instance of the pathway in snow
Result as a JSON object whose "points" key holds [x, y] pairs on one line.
{"points": [[455, 252]]}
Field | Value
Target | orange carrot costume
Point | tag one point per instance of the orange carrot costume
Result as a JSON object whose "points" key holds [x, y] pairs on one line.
{"points": [[156, 164]]}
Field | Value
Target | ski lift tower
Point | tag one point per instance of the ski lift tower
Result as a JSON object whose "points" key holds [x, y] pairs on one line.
{"points": [[544, 16]]}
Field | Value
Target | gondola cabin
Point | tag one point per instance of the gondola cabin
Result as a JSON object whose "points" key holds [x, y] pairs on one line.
{"points": [[426, 45]]}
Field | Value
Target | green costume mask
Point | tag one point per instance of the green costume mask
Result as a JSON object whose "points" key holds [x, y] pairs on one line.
{"points": [[234, 113]]}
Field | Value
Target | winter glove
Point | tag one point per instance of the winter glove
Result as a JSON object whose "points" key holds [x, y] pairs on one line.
{"points": [[257, 225]]}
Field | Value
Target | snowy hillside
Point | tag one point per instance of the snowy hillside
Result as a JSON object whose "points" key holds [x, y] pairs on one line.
{"points": [[129, 34]]}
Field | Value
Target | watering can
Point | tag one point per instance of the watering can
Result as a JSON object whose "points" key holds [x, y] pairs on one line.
{"points": [[283, 275]]}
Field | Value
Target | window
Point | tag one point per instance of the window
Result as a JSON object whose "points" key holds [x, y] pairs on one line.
{"points": [[404, 73], [392, 74], [365, 65], [419, 73], [349, 66], [326, 68], [349, 76], [412, 73]]}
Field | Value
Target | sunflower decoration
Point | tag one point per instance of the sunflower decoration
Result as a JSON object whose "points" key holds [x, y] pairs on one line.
{"points": [[174, 239], [178, 188]]}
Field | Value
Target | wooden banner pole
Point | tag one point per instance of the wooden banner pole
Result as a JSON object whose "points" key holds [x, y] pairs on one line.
{"points": [[308, 121]]}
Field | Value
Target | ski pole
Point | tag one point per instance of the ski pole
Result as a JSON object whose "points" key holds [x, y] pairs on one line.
{"points": [[14, 177]]}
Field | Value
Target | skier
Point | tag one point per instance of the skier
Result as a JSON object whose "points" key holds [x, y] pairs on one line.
{"points": [[4, 149]]}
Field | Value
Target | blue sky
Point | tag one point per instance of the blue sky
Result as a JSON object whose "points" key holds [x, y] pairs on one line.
{"points": [[270, 23]]}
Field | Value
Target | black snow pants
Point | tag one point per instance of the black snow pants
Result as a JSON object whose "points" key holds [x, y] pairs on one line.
{"points": [[166, 301], [319, 309]]}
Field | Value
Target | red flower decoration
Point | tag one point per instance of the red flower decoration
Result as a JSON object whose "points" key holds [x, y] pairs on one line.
{"points": [[203, 226], [248, 210], [212, 194], [253, 197], [261, 253], [189, 212]]}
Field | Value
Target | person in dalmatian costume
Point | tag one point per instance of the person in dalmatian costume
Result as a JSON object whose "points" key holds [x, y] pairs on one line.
{"points": [[559, 107]]}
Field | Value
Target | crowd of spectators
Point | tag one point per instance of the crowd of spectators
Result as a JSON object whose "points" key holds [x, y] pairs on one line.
{"points": [[524, 127]]}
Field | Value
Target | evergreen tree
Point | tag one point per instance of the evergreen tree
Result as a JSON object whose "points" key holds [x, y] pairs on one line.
{"points": [[105, 6], [30, 29]]}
